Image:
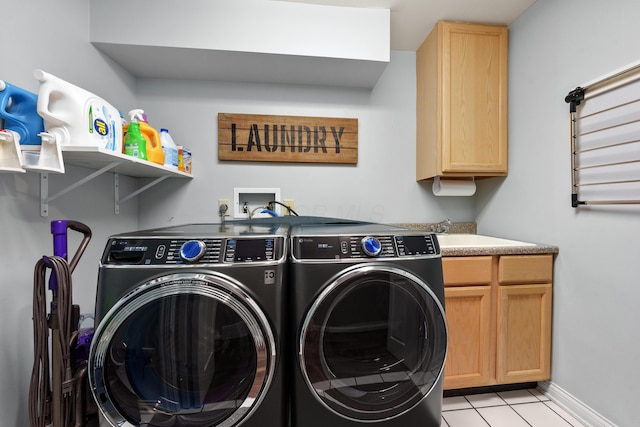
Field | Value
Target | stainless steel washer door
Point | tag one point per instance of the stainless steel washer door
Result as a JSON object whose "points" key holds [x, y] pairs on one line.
{"points": [[373, 344], [182, 350]]}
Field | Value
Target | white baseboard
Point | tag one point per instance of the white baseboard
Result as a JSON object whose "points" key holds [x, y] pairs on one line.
{"points": [[575, 407]]}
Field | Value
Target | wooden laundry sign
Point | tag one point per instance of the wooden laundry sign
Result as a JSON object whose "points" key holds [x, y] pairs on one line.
{"points": [[292, 139]]}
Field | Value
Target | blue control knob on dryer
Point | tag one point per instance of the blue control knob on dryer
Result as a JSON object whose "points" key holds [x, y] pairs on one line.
{"points": [[371, 246], [192, 250]]}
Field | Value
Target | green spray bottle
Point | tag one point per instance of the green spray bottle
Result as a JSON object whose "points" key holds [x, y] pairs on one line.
{"points": [[134, 143]]}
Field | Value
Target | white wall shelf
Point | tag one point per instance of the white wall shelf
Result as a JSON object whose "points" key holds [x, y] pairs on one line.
{"points": [[101, 162]]}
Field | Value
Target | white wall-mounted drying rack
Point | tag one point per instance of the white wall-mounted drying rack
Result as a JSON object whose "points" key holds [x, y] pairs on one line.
{"points": [[605, 141], [92, 157]]}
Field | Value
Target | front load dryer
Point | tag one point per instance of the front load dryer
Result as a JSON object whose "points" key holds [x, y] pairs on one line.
{"points": [[189, 327], [367, 314]]}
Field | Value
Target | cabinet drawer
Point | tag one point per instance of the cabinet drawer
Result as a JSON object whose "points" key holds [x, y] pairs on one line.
{"points": [[459, 271], [525, 269]]}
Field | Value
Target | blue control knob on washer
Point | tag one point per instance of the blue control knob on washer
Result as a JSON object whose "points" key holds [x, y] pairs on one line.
{"points": [[192, 250], [371, 246]]}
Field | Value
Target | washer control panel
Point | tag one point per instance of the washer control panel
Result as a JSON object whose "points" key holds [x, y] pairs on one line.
{"points": [[367, 246], [231, 250]]}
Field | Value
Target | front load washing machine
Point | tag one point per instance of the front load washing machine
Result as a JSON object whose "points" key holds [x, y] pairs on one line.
{"points": [[189, 328], [367, 312]]}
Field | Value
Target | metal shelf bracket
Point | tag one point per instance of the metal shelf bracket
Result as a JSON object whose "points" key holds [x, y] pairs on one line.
{"points": [[116, 190], [102, 162], [44, 187]]}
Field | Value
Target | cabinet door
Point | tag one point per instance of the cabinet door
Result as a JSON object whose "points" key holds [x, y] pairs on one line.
{"points": [[461, 106], [524, 333], [474, 98], [469, 355]]}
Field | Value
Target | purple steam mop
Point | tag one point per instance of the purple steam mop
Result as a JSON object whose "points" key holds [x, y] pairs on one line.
{"points": [[63, 402]]}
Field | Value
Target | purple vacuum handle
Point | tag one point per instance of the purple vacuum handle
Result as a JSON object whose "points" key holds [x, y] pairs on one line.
{"points": [[59, 230]]}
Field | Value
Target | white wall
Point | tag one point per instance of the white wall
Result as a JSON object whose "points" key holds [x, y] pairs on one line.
{"points": [[51, 36], [554, 47], [380, 188]]}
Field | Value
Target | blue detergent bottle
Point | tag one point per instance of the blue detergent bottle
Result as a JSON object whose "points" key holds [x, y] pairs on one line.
{"points": [[18, 108]]}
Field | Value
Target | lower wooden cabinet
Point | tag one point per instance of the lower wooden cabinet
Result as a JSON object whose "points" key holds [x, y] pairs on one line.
{"points": [[499, 319], [470, 355], [524, 333]]}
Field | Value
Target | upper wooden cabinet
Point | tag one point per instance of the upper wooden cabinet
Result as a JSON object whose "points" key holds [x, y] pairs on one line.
{"points": [[461, 72]]}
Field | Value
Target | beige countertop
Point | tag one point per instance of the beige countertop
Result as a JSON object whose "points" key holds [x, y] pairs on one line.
{"points": [[500, 250], [527, 248]]}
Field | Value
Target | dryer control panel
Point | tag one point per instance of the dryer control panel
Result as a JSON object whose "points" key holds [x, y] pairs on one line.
{"points": [[173, 251], [364, 246]]}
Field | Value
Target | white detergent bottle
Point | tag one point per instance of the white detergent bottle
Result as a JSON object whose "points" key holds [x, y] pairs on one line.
{"points": [[74, 116], [170, 149]]}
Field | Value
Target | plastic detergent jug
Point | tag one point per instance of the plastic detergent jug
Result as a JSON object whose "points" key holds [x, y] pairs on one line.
{"points": [[170, 149], [134, 143], [74, 116], [18, 109], [154, 145]]}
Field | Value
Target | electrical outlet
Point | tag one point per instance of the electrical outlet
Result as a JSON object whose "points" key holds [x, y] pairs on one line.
{"points": [[221, 203], [291, 204]]}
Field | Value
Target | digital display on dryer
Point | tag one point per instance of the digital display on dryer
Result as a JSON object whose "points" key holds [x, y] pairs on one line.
{"points": [[323, 247], [415, 245], [249, 250]]}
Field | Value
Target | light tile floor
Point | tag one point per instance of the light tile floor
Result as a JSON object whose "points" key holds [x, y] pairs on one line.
{"points": [[517, 408]]}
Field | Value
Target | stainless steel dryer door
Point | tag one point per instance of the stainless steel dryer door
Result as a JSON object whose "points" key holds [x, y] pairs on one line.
{"points": [[373, 344], [182, 350]]}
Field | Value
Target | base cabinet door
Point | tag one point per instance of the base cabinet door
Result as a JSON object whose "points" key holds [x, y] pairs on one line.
{"points": [[498, 311], [468, 320], [524, 333]]}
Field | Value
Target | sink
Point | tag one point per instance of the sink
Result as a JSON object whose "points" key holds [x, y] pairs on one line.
{"points": [[476, 241]]}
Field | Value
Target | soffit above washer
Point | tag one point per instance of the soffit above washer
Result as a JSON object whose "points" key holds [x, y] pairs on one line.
{"points": [[308, 42], [245, 41]]}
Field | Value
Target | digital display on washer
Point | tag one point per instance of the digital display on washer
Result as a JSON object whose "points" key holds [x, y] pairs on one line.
{"points": [[249, 250], [415, 245]]}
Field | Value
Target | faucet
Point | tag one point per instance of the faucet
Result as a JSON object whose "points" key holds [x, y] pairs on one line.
{"points": [[443, 226]]}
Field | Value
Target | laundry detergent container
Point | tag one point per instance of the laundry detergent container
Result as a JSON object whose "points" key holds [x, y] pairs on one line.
{"points": [[74, 116], [20, 125], [19, 114]]}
